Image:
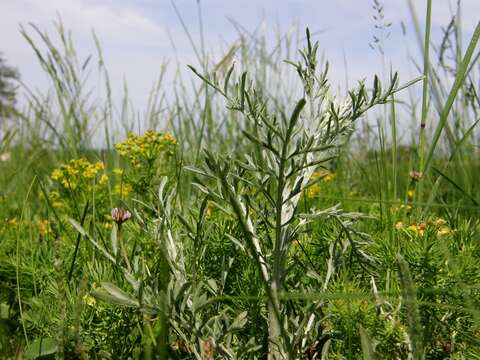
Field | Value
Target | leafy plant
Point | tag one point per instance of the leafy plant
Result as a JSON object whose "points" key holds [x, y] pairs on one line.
{"points": [[263, 187]]}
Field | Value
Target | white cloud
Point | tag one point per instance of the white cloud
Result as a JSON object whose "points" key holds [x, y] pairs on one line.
{"points": [[113, 24], [134, 41], [122, 32]]}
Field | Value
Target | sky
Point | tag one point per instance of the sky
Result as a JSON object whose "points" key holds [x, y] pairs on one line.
{"points": [[137, 35]]}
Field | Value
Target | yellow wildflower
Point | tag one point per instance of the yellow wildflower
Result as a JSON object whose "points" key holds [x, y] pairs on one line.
{"points": [[313, 190], [108, 221], [169, 138], [89, 300], [410, 194], [54, 196], [296, 243], [443, 230], [69, 184], [140, 148], [326, 176], [329, 177], [418, 229], [209, 212], [103, 179], [73, 175], [44, 227], [71, 170], [123, 189], [57, 174], [90, 172], [55, 199], [118, 171]]}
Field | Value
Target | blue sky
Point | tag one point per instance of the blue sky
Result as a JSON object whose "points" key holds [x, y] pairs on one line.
{"points": [[135, 40]]}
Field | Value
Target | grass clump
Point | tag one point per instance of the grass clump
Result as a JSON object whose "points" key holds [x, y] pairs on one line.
{"points": [[250, 228]]}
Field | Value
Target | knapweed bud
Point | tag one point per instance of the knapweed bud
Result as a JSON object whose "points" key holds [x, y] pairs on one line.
{"points": [[120, 215], [415, 175]]}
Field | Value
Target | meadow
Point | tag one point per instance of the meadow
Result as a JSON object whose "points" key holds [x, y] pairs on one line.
{"points": [[250, 213]]}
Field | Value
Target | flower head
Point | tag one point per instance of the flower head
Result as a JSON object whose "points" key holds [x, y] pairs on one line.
{"points": [[103, 179], [329, 177], [123, 189], [143, 149], [418, 229], [415, 175], [444, 230], [120, 215], [410, 194], [44, 227], [89, 300]]}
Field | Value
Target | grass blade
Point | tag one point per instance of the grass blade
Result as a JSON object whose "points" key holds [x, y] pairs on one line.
{"points": [[459, 80], [410, 298]]}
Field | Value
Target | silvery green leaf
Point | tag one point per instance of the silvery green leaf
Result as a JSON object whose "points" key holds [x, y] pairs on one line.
{"points": [[131, 280], [326, 349], [114, 240], [212, 285], [239, 322], [161, 187], [82, 231], [112, 294], [367, 345], [236, 242], [40, 348]]}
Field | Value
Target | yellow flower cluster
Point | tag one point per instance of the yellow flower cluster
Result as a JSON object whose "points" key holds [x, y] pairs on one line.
{"points": [[139, 148], [403, 208], [329, 177], [439, 226], [314, 190], [103, 179], [89, 300], [43, 227], [77, 172], [55, 199], [10, 223], [123, 189]]}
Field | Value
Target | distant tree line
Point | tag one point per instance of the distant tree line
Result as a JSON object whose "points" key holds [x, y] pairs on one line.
{"points": [[8, 88]]}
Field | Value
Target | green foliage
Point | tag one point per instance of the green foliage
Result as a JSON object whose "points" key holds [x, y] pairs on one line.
{"points": [[8, 88], [257, 231]]}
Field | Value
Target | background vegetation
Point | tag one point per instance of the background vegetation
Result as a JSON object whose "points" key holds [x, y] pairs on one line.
{"points": [[267, 219]]}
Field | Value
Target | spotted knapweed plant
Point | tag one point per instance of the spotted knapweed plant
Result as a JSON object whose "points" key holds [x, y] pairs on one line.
{"points": [[261, 188]]}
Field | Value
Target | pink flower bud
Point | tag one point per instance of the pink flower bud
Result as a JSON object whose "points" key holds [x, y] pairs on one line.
{"points": [[120, 215]]}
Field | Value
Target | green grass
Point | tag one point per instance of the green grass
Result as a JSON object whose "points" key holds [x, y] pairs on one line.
{"points": [[258, 229]]}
